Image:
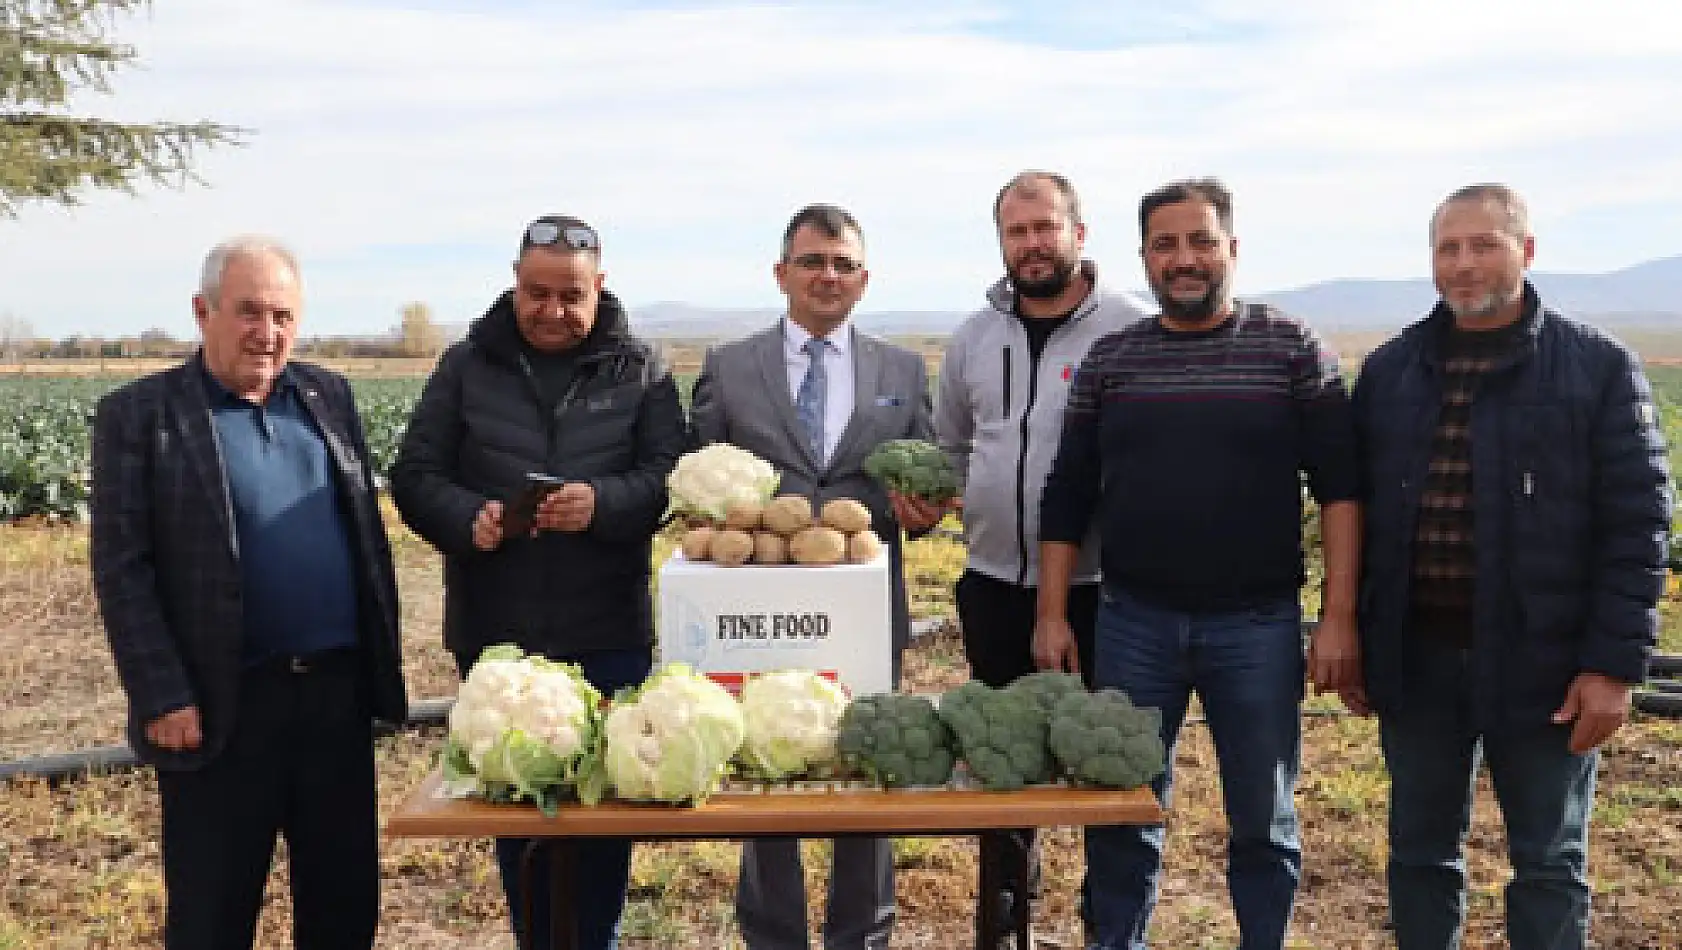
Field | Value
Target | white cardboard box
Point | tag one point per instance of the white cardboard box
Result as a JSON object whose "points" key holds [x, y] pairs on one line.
{"points": [[729, 621]]}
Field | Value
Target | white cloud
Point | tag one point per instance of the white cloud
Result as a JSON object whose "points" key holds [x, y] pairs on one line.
{"points": [[401, 149]]}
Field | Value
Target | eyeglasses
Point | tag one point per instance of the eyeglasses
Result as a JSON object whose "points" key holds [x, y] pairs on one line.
{"points": [[575, 236], [844, 265]]}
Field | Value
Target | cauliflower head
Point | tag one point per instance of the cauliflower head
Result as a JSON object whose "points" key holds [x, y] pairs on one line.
{"points": [[791, 718], [672, 738], [522, 727], [707, 481]]}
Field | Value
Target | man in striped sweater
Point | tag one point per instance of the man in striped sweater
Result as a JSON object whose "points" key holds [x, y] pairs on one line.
{"points": [[1186, 437]]}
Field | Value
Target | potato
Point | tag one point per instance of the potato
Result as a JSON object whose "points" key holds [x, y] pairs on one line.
{"points": [[731, 547], [769, 548], [787, 514], [743, 515], [863, 547], [697, 544], [818, 546], [846, 516]]}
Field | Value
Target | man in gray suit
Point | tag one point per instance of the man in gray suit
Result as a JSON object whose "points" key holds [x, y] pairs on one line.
{"points": [[814, 397]]}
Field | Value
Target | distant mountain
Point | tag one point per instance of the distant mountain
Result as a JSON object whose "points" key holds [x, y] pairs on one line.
{"points": [[1645, 295], [1648, 294], [683, 321]]}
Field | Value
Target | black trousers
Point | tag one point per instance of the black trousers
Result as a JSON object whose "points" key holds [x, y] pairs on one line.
{"points": [[997, 620], [300, 763]]}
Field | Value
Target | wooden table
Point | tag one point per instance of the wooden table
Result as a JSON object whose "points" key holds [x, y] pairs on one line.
{"points": [[428, 813]]}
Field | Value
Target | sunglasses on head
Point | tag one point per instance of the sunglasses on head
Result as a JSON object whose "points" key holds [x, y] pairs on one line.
{"points": [[817, 262], [575, 236]]}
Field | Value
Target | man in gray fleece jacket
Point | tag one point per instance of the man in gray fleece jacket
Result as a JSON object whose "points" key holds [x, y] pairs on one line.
{"points": [[999, 412]]}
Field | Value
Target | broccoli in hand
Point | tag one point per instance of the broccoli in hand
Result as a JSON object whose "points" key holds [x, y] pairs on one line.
{"points": [[913, 467]]}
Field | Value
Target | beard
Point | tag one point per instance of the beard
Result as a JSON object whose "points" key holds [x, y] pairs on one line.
{"points": [[1196, 310], [1044, 288], [1485, 306]]}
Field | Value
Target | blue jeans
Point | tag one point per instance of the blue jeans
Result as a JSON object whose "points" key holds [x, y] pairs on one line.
{"points": [[1247, 668], [1432, 748], [603, 865]]}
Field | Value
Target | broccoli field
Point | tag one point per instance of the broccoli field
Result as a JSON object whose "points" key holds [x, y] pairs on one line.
{"points": [[46, 424]]}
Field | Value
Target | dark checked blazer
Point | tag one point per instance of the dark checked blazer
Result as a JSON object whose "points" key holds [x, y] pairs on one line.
{"points": [[166, 565]]}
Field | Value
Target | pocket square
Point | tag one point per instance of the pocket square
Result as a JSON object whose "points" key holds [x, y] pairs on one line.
{"points": [[886, 401]]}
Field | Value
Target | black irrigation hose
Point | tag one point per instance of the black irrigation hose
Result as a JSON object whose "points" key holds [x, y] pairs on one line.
{"points": [[1661, 697], [67, 766], [1668, 705]]}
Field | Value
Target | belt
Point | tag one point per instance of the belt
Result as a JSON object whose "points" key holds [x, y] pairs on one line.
{"points": [[303, 664]]}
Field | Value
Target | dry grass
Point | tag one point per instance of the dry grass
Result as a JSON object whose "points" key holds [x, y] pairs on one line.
{"points": [[79, 863]]}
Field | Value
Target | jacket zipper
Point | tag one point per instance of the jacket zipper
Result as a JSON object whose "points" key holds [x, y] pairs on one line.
{"points": [[586, 368], [1022, 468], [1007, 382]]}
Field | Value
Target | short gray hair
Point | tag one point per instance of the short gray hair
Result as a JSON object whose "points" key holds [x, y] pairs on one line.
{"points": [[240, 246], [1027, 184], [1515, 214]]}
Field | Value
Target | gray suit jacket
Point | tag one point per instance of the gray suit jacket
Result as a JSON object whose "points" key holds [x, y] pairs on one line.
{"points": [[742, 397]]}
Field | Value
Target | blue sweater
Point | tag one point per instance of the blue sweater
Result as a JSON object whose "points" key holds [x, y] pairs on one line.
{"points": [[298, 578]]}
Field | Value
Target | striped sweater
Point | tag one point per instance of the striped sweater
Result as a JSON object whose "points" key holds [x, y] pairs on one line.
{"points": [[1189, 447]]}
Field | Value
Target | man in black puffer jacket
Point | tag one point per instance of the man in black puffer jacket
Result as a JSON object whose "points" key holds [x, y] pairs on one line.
{"points": [[1516, 505], [549, 381]]}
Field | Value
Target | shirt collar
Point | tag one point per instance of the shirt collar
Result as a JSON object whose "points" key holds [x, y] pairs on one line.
{"points": [[840, 339], [222, 396]]}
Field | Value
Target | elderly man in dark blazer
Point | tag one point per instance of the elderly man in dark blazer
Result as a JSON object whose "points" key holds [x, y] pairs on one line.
{"points": [[813, 396], [247, 590]]}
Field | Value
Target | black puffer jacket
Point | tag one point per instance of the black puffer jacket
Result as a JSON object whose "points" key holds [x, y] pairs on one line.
{"points": [[481, 426], [1572, 505]]}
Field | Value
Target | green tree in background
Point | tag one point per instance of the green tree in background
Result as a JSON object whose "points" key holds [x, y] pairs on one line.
{"points": [[51, 50]]}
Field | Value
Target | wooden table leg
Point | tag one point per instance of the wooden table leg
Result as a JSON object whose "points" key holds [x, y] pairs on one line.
{"points": [[563, 894], [989, 887], [999, 867], [528, 858]]}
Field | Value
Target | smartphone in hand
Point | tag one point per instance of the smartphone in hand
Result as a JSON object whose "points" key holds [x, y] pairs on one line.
{"points": [[517, 518]]}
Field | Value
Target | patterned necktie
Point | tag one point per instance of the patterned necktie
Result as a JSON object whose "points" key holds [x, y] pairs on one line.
{"points": [[809, 402]]}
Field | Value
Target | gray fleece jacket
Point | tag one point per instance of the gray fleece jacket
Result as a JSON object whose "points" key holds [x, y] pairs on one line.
{"points": [[999, 414]]}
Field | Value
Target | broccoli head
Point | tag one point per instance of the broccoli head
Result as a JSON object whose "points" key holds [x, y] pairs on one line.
{"points": [[896, 739], [1001, 735], [913, 467], [1102, 739], [1046, 687]]}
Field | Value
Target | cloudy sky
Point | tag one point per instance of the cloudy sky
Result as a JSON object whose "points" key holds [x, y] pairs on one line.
{"points": [[400, 145]]}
